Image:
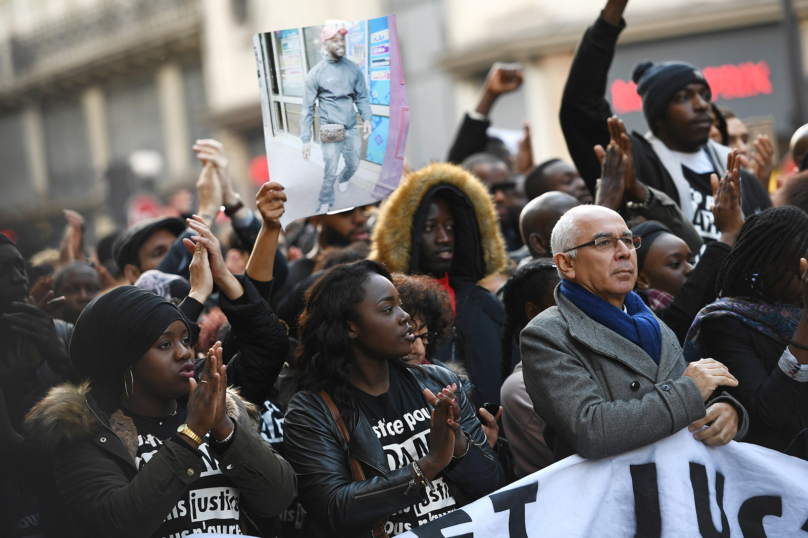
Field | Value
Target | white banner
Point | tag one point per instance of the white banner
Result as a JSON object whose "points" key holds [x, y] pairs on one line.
{"points": [[677, 487]]}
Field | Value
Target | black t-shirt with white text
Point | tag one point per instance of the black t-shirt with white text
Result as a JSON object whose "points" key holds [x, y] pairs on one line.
{"points": [[400, 419], [209, 505], [701, 194]]}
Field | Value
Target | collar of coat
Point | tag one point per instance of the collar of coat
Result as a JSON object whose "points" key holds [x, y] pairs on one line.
{"points": [[393, 233], [605, 341], [69, 414]]}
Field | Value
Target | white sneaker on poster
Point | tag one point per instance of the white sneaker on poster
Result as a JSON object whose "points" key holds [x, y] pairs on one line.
{"points": [[343, 187], [324, 208]]}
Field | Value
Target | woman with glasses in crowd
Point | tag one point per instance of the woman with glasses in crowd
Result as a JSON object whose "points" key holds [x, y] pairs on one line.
{"points": [[378, 444]]}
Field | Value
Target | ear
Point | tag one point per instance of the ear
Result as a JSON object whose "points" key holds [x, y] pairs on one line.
{"points": [[353, 330], [531, 310], [643, 282], [538, 244], [565, 264], [132, 272]]}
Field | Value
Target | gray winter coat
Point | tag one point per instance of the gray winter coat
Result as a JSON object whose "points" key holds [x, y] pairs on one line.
{"points": [[601, 394]]}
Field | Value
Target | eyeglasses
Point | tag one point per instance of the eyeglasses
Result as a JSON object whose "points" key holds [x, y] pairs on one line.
{"points": [[427, 338], [610, 243], [507, 187]]}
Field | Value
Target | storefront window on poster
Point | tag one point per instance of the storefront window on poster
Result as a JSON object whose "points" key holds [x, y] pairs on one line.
{"points": [[379, 86], [290, 58], [356, 46], [314, 49]]}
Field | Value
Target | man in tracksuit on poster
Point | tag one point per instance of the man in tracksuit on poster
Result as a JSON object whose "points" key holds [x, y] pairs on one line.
{"points": [[338, 83]]}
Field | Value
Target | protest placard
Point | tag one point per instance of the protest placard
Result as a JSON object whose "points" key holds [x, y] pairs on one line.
{"points": [[335, 113]]}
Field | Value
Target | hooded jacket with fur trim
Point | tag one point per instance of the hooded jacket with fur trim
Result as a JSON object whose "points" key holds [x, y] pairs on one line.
{"points": [[479, 251], [101, 488]]}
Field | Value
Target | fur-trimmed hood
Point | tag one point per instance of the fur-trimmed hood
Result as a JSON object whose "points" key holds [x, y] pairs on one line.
{"points": [[64, 415], [478, 253]]}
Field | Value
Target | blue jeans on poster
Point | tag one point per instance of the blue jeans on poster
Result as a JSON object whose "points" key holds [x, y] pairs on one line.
{"points": [[349, 149]]}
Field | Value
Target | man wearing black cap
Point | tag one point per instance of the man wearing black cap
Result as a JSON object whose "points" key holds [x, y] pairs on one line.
{"points": [[143, 246], [676, 156]]}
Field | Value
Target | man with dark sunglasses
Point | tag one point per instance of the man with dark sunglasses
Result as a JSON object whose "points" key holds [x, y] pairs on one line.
{"points": [[496, 176]]}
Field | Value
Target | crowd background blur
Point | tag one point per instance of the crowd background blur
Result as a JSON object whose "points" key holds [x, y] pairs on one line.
{"points": [[101, 99]]}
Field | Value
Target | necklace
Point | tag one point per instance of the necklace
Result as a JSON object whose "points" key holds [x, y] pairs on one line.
{"points": [[158, 420]]}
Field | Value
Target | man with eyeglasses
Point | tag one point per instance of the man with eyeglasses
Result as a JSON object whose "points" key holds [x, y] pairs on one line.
{"points": [[605, 373]]}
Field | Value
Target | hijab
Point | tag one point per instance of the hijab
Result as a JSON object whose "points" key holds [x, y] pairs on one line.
{"points": [[116, 329]]}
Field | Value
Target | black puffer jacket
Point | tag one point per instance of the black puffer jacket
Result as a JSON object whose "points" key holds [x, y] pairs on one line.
{"points": [[335, 504]]}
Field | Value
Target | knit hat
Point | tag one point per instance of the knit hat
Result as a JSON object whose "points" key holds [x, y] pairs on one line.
{"points": [[657, 84], [649, 231], [116, 329]]}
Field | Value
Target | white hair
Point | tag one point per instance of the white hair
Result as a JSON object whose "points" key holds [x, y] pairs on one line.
{"points": [[565, 234]]}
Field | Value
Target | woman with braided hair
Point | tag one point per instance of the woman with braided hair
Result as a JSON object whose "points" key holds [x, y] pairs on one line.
{"points": [[758, 327], [526, 294]]}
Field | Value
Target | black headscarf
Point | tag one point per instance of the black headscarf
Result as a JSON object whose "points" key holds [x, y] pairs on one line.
{"points": [[116, 329], [649, 231]]}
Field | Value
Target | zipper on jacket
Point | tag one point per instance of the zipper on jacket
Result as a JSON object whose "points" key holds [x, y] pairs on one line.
{"points": [[369, 464], [387, 490]]}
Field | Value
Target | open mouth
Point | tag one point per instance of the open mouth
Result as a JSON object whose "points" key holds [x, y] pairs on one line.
{"points": [[445, 254], [187, 370], [408, 334]]}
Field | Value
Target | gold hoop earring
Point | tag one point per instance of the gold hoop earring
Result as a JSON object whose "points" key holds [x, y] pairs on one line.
{"points": [[125, 388]]}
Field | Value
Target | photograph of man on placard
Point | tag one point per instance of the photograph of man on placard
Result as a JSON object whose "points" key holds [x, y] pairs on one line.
{"points": [[335, 113], [338, 84]]}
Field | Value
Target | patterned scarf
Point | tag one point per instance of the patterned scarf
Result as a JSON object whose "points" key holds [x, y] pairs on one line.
{"points": [[638, 325], [777, 321]]}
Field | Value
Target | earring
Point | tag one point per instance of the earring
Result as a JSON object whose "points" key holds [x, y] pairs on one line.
{"points": [[125, 388]]}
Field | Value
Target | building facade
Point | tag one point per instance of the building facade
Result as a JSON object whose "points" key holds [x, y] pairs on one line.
{"points": [[102, 98]]}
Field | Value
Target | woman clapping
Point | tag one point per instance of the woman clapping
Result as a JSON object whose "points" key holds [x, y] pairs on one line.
{"points": [[143, 448], [378, 444]]}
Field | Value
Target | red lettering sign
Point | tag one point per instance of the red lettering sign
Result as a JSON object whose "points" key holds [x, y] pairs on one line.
{"points": [[727, 81]]}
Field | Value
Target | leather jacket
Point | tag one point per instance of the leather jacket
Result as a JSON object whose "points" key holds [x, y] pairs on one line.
{"points": [[336, 504]]}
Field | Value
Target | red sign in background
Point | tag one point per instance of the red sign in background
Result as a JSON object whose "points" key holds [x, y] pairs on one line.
{"points": [[727, 81]]}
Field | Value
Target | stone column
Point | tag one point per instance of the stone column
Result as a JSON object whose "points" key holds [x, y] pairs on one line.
{"points": [[95, 116], [35, 145], [171, 95]]}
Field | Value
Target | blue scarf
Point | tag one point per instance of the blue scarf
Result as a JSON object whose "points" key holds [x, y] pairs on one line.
{"points": [[638, 326]]}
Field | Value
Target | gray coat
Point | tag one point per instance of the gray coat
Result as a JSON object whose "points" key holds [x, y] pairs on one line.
{"points": [[601, 394]]}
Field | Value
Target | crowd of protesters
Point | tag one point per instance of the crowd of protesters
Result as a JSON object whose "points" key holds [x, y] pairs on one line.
{"points": [[371, 370]]}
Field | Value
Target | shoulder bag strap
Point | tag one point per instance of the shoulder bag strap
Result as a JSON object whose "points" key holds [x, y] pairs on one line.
{"points": [[356, 467]]}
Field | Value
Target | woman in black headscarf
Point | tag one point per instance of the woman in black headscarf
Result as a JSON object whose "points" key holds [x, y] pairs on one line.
{"points": [[144, 449]]}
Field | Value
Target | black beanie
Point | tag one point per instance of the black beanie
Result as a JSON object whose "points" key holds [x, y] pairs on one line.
{"points": [[657, 84], [116, 329], [649, 231]]}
